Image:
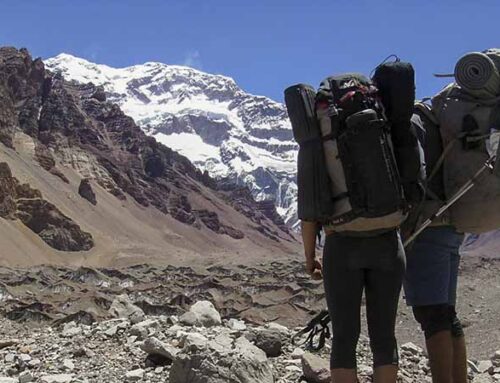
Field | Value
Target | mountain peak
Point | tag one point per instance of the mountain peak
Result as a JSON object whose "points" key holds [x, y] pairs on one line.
{"points": [[206, 117]]}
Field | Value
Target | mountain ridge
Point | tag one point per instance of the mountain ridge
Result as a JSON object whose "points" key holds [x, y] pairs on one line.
{"points": [[208, 118]]}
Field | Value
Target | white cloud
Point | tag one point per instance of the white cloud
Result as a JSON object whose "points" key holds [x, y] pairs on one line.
{"points": [[192, 59]]}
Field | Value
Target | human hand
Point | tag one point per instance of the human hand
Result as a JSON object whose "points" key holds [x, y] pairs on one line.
{"points": [[314, 268]]}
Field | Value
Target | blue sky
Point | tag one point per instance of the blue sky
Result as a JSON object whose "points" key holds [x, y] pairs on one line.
{"points": [[265, 45]]}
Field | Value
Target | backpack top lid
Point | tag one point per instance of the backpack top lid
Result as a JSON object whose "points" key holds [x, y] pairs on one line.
{"points": [[342, 83]]}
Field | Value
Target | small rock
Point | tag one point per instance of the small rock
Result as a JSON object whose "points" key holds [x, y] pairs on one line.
{"points": [[236, 325], [10, 357], [484, 366], [194, 342], [269, 341], [205, 314], [70, 330], [134, 375], [293, 368], [59, 378], [222, 343], [365, 370], [25, 358], [33, 363], [141, 329], [68, 364], [482, 378], [122, 307], [26, 377], [279, 328], [297, 353], [159, 370], [8, 380], [154, 346], [111, 331], [411, 348], [189, 319], [315, 369]]}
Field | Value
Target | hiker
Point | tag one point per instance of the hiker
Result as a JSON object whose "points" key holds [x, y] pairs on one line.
{"points": [[430, 287], [350, 265], [433, 259], [355, 172], [459, 133]]}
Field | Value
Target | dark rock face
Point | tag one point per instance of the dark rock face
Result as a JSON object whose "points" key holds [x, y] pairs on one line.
{"points": [[20, 201], [85, 190], [64, 117], [7, 192], [46, 161], [56, 229], [211, 220]]}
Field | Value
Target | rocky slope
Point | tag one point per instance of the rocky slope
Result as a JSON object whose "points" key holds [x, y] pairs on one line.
{"points": [[207, 118], [100, 178]]}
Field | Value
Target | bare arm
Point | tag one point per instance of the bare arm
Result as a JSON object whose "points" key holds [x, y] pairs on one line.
{"points": [[309, 238], [313, 266]]}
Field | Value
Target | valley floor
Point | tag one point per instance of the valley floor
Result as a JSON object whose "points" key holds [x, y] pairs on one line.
{"points": [[39, 305]]}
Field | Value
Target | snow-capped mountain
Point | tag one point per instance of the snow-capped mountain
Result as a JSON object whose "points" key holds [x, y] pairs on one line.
{"points": [[208, 118]]}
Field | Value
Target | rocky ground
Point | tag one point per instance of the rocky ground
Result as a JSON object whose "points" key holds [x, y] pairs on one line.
{"points": [[149, 323], [196, 347]]}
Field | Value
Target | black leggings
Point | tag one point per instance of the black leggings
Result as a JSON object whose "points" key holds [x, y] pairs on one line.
{"points": [[351, 265]]}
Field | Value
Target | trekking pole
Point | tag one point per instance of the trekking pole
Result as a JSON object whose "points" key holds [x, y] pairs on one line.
{"points": [[463, 190]]}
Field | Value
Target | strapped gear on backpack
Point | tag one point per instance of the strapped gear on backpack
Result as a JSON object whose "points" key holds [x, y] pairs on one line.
{"points": [[314, 194], [365, 184], [396, 84], [469, 130]]}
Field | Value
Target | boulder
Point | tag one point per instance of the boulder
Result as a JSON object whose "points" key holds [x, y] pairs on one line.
{"points": [[245, 363]]}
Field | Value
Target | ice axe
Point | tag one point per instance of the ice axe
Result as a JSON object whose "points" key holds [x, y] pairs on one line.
{"points": [[492, 164]]}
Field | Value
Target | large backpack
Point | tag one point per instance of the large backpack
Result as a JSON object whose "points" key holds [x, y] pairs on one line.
{"points": [[352, 149], [366, 187], [469, 129]]}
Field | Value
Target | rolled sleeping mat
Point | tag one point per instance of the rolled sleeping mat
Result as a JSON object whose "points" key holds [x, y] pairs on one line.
{"points": [[494, 54], [477, 74], [314, 197]]}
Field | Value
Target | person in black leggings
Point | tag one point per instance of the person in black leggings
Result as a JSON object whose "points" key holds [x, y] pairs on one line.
{"points": [[350, 266]]}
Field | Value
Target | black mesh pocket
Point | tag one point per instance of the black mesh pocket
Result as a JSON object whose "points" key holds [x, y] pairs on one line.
{"points": [[370, 169]]}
